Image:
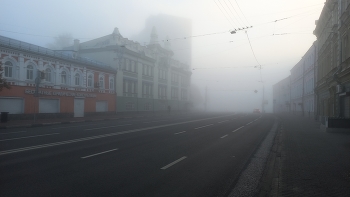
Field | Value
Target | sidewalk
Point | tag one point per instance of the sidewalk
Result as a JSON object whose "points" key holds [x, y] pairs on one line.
{"points": [[306, 161]]}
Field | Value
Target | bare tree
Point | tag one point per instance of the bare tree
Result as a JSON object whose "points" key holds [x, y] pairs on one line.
{"points": [[61, 41], [3, 82]]}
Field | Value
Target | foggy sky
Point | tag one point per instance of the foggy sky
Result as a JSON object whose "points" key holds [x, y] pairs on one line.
{"points": [[38, 21]]}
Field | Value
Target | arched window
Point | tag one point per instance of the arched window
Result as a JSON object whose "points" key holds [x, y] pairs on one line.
{"points": [[102, 83], [111, 84], [8, 69], [77, 79], [89, 82], [63, 77], [48, 75], [30, 72]]}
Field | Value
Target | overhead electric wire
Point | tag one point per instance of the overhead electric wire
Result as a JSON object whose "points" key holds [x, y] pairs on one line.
{"points": [[228, 14], [225, 15], [254, 54], [238, 21], [242, 13], [286, 11], [237, 13]]}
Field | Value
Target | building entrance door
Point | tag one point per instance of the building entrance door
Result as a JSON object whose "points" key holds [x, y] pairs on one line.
{"points": [[78, 107]]}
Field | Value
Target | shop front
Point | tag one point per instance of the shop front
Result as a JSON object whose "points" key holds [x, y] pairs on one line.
{"points": [[22, 103]]}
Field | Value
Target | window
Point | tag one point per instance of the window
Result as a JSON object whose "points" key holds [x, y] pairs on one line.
{"points": [[89, 82], [147, 70], [129, 88], [162, 92], [63, 77], [111, 84], [8, 69], [147, 90], [174, 93], [30, 72], [48, 75], [102, 85], [77, 79]]}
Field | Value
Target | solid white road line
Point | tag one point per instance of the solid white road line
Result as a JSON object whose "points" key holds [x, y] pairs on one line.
{"points": [[238, 129], [107, 127], [99, 153], [13, 132], [75, 126], [173, 163], [223, 121], [224, 136], [5, 152], [28, 137], [179, 132], [204, 126]]}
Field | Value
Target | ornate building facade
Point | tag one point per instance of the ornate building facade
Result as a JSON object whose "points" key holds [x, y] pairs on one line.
{"points": [[148, 78], [67, 85], [333, 87]]}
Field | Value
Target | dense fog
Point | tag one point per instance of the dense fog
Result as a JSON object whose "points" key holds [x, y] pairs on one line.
{"points": [[236, 49]]}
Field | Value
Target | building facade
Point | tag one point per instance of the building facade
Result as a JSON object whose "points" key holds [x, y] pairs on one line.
{"points": [[281, 96], [148, 78], [67, 88], [295, 93], [332, 88]]}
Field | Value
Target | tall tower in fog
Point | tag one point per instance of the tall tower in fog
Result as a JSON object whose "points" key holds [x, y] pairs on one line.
{"points": [[165, 29]]}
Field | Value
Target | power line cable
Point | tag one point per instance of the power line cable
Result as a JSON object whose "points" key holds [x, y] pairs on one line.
{"points": [[225, 15], [238, 21], [254, 54], [237, 13], [228, 13], [242, 13]]}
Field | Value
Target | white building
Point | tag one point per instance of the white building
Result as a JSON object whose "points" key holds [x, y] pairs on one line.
{"points": [[148, 78]]}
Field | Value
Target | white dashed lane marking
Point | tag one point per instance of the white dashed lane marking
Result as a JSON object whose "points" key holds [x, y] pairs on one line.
{"points": [[204, 126], [99, 153], [224, 136], [179, 132], [173, 163]]}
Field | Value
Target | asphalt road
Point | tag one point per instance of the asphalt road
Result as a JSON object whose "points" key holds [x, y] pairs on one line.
{"points": [[174, 155]]}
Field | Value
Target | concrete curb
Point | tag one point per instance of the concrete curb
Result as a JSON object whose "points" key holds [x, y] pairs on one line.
{"points": [[249, 181]]}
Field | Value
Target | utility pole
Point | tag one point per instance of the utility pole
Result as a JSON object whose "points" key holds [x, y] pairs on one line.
{"points": [[263, 102], [205, 98]]}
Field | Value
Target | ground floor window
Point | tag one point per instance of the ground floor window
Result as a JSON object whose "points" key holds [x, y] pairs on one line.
{"points": [[129, 106], [49, 106], [147, 106], [101, 106], [11, 105]]}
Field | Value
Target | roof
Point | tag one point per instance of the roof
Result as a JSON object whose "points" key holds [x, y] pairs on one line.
{"points": [[64, 55]]}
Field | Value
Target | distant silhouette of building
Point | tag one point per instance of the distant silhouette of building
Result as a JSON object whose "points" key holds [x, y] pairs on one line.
{"points": [[170, 29]]}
